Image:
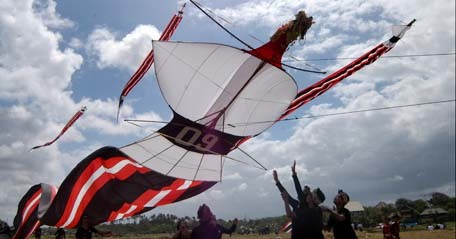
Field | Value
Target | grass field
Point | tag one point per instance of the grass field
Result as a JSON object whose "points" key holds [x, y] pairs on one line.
{"points": [[422, 234], [418, 232]]}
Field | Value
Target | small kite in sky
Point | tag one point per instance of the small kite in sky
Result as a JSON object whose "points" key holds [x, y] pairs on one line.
{"points": [[67, 126]]}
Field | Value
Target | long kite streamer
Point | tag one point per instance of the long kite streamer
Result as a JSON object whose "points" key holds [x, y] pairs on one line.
{"points": [[147, 63], [67, 126], [328, 82]]}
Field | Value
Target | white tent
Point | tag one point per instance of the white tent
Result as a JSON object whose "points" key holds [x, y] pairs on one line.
{"points": [[354, 206]]}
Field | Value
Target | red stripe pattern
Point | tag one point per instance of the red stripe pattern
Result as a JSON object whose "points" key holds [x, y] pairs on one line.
{"points": [[67, 126], [27, 219], [328, 82], [286, 228], [108, 185], [94, 177]]}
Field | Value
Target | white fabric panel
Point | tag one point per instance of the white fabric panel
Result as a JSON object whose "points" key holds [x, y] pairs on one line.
{"points": [[159, 154], [199, 79], [265, 99]]}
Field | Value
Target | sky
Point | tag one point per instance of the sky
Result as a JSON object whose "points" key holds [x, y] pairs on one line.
{"points": [[56, 56]]}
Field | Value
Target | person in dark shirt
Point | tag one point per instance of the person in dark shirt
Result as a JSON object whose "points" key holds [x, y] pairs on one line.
{"points": [[306, 216], [208, 227], [85, 230], [340, 220], [395, 228]]}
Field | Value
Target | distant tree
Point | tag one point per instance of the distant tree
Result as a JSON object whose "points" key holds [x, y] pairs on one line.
{"points": [[419, 205], [439, 200], [403, 204]]}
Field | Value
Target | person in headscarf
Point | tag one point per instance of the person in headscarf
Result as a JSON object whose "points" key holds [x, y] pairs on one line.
{"points": [[340, 219], [208, 227]]}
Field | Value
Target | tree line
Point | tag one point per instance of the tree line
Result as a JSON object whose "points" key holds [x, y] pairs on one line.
{"points": [[372, 215]]}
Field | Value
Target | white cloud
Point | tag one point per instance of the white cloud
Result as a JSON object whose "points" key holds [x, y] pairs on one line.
{"points": [[45, 10], [243, 187], [127, 52], [216, 194], [396, 178], [36, 101], [232, 176], [76, 43]]}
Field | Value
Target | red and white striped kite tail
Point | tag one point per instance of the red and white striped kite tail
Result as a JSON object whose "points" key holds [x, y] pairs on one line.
{"points": [[149, 60], [286, 228], [31, 208], [328, 82], [65, 128]]}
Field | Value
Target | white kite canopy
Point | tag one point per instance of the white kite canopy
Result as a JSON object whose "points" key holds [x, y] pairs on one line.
{"points": [[203, 81], [219, 95]]}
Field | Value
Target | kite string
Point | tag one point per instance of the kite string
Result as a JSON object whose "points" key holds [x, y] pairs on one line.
{"points": [[392, 56], [323, 115], [199, 6], [344, 113]]}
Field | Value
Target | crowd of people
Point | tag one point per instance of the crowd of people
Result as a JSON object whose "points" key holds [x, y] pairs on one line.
{"points": [[390, 227], [306, 213], [208, 228]]}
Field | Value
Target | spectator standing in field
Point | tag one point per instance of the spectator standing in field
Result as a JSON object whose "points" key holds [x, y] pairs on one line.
{"points": [[340, 220], [386, 229], [208, 227], [86, 229], [395, 228]]}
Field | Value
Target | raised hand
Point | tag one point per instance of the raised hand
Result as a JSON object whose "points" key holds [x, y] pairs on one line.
{"points": [[293, 168], [274, 174]]}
